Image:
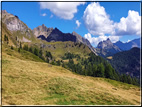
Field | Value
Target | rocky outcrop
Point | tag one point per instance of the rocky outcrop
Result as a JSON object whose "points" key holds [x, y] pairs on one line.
{"points": [[84, 41], [13, 23], [107, 48], [42, 30], [57, 35]]}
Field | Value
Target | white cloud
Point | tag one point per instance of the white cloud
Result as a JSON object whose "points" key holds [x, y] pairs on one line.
{"points": [[98, 23], [96, 40], [78, 23], [131, 25], [44, 14], [128, 41], [114, 38], [64, 10], [97, 20]]}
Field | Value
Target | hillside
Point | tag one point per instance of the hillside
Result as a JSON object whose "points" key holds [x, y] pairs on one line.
{"points": [[127, 62], [17, 28], [28, 82], [58, 49], [18, 33], [55, 35]]}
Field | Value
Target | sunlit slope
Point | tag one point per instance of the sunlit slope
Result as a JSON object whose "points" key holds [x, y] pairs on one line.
{"points": [[26, 82], [58, 49]]}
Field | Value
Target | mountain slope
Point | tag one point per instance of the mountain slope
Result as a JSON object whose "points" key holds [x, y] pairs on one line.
{"points": [[18, 29], [106, 48], [17, 32], [44, 84], [127, 62], [57, 35], [128, 45], [84, 41], [54, 35], [58, 49]]}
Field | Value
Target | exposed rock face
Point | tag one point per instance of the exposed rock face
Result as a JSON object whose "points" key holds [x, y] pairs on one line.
{"points": [[14, 24], [84, 41], [42, 30], [57, 35], [106, 48], [25, 40]]}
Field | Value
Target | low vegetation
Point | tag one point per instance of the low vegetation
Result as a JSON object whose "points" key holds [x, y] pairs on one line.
{"points": [[26, 82]]}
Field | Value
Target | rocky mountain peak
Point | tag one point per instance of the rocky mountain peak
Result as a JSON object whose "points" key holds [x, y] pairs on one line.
{"points": [[43, 25], [74, 33], [108, 40], [84, 41], [107, 48], [56, 29], [13, 23], [17, 27], [105, 44], [42, 30], [79, 37], [4, 11]]}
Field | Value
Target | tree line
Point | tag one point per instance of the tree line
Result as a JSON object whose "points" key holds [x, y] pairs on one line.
{"points": [[96, 66], [38, 52]]}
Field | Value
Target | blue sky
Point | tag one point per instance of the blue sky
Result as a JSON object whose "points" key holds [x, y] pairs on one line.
{"points": [[93, 28]]}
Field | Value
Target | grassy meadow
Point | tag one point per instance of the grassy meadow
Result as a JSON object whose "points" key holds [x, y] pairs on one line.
{"points": [[33, 82]]}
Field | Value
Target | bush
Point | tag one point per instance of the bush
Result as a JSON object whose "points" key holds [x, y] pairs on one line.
{"points": [[12, 47]]}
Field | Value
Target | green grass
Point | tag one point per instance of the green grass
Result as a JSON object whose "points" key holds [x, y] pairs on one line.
{"points": [[26, 82], [60, 48], [121, 84], [23, 55]]}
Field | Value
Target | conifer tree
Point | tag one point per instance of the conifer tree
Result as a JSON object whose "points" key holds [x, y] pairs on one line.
{"points": [[94, 69], [100, 70], [36, 51], [108, 71]]}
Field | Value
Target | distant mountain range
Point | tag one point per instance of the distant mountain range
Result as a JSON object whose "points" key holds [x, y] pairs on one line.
{"points": [[104, 48], [107, 48], [128, 45]]}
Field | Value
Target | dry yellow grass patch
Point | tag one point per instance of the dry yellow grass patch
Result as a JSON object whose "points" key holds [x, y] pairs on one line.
{"points": [[110, 57], [37, 83]]}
